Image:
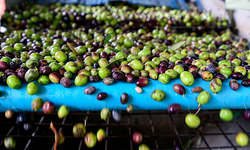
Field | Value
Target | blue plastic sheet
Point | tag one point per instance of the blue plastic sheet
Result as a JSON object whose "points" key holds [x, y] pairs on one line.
{"points": [[168, 3], [76, 100], [198, 3], [183, 4]]}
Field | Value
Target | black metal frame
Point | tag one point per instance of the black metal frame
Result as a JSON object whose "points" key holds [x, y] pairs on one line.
{"points": [[159, 130]]}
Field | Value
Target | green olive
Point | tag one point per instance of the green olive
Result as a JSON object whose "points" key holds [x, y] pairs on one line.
{"points": [[158, 95], [164, 78], [187, 78], [203, 97], [13, 82], [103, 73], [32, 88]]}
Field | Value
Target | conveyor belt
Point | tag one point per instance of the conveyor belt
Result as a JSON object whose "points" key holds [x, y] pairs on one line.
{"points": [[76, 100]]}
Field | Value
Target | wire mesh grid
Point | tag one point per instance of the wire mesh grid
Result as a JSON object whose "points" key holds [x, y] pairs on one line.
{"points": [[160, 130]]}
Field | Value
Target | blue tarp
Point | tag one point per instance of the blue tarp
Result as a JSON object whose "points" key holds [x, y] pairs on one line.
{"points": [[168, 3]]}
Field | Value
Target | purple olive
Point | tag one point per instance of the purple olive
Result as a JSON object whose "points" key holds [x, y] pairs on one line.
{"points": [[119, 76], [174, 108], [9, 54], [10, 72], [220, 76], [89, 90], [102, 96], [142, 82], [21, 72], [246, 115], [45, 70], [237, 75], [3, 65], [245, 82], [124, 98], [163, 69], [62, 71], [117, 116], [129, 77], [29, 127], [65, 82], [193, 68], [137, 137], [94, 78], [234, 85], [179, 89], [43, 62]]}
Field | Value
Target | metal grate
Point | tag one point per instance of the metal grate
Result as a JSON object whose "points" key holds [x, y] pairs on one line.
{"points": [[160, 131]]}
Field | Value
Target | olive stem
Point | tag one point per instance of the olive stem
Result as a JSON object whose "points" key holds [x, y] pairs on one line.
{"points": [[52, 127], [183, 96], [72, 48], [198, 110]]}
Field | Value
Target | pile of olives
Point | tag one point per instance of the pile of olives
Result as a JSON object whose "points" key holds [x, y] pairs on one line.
{"points": [[73, 16]]}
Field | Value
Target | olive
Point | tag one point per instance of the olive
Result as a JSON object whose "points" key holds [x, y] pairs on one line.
{"points": [[65, 82], [48, 107], [100, 135], [37, 104], [203, 97], [13, 82], [89, 90], [197, 89], [21, 118], [158, 95], [9, 114], [207, 76], [237, 75], [93, 78], [31, 75], [242, 139], [234, 85], [79, 130], [54, 77], [108, 80], [220, 76], [174, 108], [9, 143], [164, 78], [245, 82], [187, 78], [179, 89], [142, 82], [61, 137], [137, 137], [129, 77], [90, 139], [101, 96], [118, 76], [32, 88], [130, 108], [144, 147], [105, 114], [116, 115], [63, 111], [29, 127], [215, 85], [124, 98]]}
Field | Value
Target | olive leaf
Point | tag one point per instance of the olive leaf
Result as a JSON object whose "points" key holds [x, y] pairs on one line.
{"points": [[177, 45], [72, 48], [113, 62], [113, 50], [107, 39]]}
